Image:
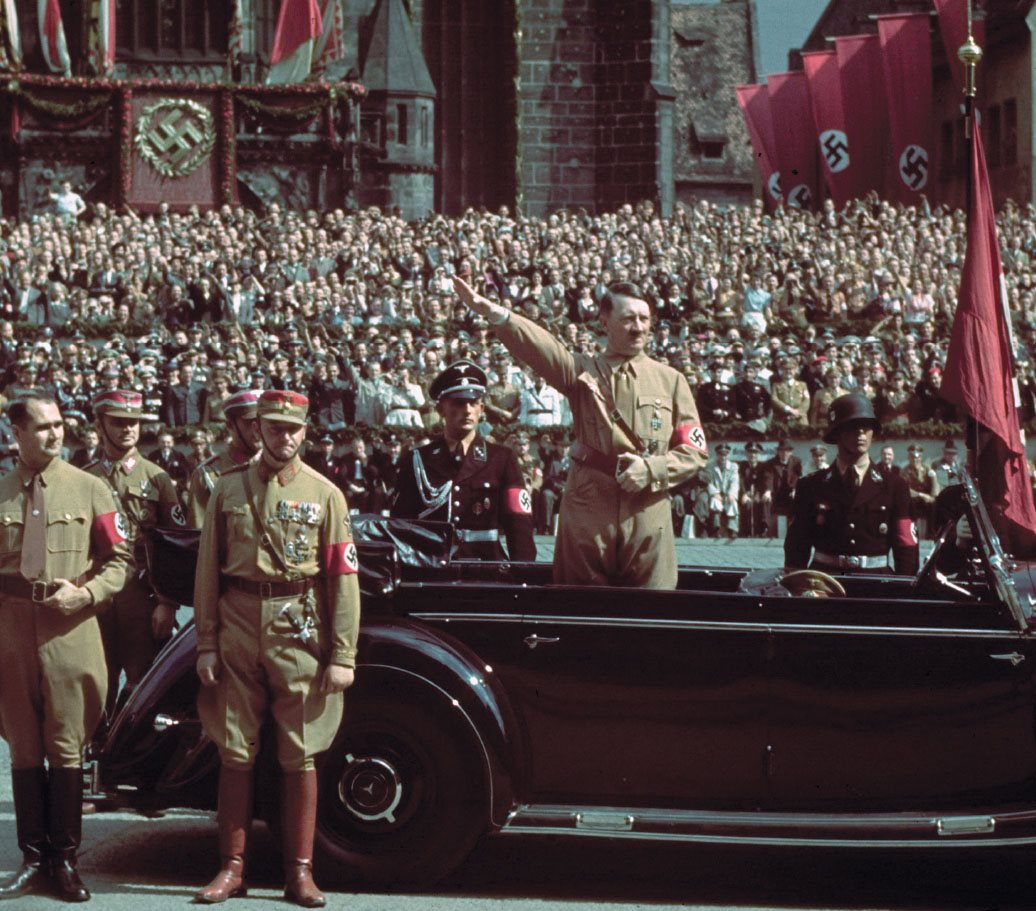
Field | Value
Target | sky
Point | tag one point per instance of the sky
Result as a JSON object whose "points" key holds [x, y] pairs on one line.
{"points": [[784, 24]]}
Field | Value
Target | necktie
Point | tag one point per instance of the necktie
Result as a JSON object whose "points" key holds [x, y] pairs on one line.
{"points": [[34, 540], [624, 392], [852, 479]]}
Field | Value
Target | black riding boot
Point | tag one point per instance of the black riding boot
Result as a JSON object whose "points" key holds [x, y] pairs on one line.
{"points": [[30, 813], [66, 832]]}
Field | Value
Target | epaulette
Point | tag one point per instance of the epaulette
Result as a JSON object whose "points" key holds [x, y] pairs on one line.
{"points": [[232, 468], [91, 464], [208, 461]]}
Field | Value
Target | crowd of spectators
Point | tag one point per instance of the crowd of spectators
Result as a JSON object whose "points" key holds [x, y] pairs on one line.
{"points": [[769, 316]]}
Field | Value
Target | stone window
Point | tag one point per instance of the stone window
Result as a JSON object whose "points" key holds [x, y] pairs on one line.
{"points": [[402, 124], [707, 146], [426, 127], [172, 29]]}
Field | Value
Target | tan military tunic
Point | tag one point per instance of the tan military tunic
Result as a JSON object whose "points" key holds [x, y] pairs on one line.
{"points": [[148, 500], [53, 679], [605, 535], [789, 395], [266, 669], [203, 481]]}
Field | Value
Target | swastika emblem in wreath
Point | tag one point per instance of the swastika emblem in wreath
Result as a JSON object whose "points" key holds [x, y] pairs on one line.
{"points": [[175, 135]]}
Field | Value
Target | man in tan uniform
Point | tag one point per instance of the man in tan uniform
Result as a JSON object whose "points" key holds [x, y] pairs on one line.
{"points": [[63, 550], [136, 622], [637, 435], [243, 425], [278, 618]]}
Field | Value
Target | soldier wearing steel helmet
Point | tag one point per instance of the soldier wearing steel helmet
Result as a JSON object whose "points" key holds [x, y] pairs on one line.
{"points": [[463, 479], [239, 411], [847, 517], [136, 622], [277, 608]]}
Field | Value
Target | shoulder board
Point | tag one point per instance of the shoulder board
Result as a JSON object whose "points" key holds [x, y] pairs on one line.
{"points": [[233, 469], [91, 464]]}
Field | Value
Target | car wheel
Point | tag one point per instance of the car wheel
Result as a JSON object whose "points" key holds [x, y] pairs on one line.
{"points": [[402, 796]]}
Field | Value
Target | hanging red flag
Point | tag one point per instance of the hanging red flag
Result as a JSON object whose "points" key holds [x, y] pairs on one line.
{"points": [[953, 25], [754, 101], [978, 375], [825, 96], [298, 27], [795, 136], [906, 59], [52, 37], [859, 69]]}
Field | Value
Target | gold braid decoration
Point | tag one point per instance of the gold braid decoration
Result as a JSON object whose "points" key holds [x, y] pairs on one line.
{"points": [[70, 111], [274, 110]]}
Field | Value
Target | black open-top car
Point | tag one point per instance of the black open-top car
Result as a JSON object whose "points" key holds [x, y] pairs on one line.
{"points": [[741, 708]]}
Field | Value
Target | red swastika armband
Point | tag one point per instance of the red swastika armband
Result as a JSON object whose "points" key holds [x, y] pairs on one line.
{"points": [[341, 559], [108, 530], [692, 435], [519, 501], [906, 532]]}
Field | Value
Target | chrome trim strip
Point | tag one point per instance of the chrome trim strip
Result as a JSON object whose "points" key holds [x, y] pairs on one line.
{"points": [[773, 841], [443, 617], [742, 627]]}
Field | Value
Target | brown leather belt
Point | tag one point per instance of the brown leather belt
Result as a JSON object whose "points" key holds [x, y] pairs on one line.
{"points": [[594, 458], [37, 591], [269, 589]]}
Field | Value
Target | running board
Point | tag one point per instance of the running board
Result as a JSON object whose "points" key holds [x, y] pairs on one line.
{"points": [[867, 830]]}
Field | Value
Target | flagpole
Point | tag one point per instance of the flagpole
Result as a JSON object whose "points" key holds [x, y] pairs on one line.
{"points": [[970, 54]]}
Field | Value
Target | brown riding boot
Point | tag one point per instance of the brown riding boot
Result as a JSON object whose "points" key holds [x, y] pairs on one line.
{"points": [[234, 817], [30, 820], [299, 818]]}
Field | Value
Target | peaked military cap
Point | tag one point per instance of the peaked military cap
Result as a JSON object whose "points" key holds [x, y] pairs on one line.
{"points": [[283, 405], [121, 403], [244, 404], [462, 379]]}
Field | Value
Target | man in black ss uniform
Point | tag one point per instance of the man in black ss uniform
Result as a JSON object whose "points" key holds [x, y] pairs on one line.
{"points": [[461, 478], [848, 516]]}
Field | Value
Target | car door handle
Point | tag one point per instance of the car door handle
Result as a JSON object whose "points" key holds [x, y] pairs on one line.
{"points": [[534, 640], [1013, 657]]}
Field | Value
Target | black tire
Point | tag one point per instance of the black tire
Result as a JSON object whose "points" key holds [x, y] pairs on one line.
{"points": [[403, 796]]}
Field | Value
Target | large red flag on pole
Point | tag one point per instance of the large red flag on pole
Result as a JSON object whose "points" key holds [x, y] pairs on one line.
{"points": [[825, 95], [906, 60], [979, 363], [754, 101]]}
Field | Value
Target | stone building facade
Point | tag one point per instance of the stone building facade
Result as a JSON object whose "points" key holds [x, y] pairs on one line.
{"points": [[531, 103]]}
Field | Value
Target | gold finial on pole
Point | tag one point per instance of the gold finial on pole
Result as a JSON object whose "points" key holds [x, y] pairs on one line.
{"points": [[969, 54]]}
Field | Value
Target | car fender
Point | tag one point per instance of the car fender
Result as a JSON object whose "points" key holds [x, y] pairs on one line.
{"points": [[405, 654]]}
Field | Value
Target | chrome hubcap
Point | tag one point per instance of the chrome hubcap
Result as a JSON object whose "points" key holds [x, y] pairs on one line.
{"points": [[370, 788]]}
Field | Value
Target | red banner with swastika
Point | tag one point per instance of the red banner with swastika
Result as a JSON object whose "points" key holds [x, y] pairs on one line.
{"points": [[796, 138], [174, 140], [754, 101], [906, 60], [859, 68], [825, 95]]}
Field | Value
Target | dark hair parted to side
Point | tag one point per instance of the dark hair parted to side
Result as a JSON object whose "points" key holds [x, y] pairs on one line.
{"points": [[618, 289], [18, 410]]}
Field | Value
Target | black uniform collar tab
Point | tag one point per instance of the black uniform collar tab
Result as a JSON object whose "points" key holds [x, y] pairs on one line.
{"points": [[478, 450]]}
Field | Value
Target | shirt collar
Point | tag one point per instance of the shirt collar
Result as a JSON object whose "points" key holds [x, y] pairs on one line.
{"points": [[617, 361], [861, 468], [26, 474], [283, 476]]}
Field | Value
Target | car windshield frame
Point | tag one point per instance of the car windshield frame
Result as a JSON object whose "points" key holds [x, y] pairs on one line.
{"points": [[997, 564]]}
